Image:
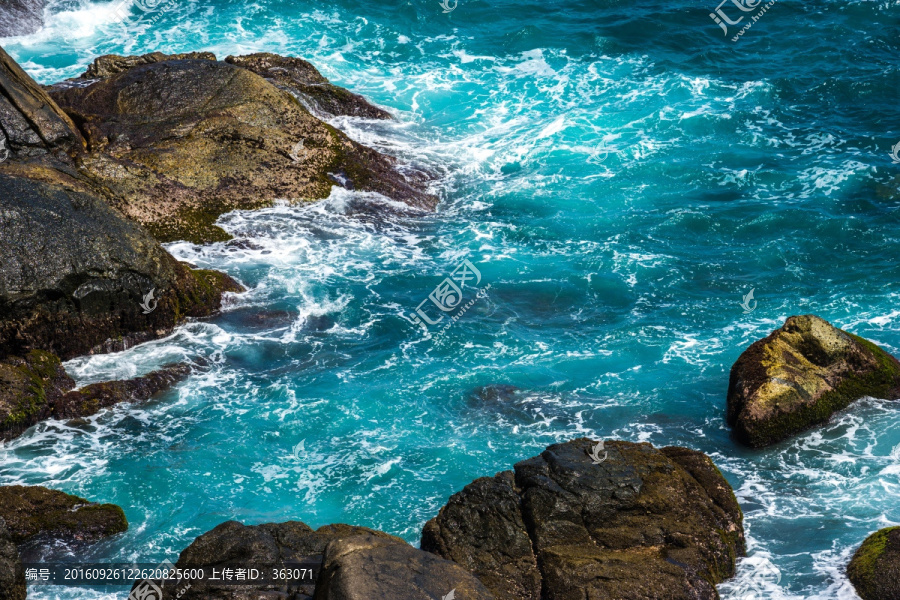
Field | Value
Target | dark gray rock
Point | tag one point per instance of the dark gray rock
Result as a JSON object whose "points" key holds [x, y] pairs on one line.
{"points": [[874, 569], [365, 567], [642, 524], [264, 547], [20, 17], [12, 573]]}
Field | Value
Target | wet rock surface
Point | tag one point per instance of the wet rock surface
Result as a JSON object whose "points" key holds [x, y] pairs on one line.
{"points": [[34, 511], [35, 387], [303, 80], [643, 523], [875, 568], [800, 375], [21, 17], [180, 142], [12, 573]]}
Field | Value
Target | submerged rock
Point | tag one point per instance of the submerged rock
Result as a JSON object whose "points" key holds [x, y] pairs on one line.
{"points": [[640, 523], [800, 375], [35, 387], [34, 511], [12, 573], [180, 142], [874, 569], [303, 80]]}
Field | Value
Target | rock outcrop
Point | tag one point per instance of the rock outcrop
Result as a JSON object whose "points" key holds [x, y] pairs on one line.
{"points": [[364, 567], [12, 573], [35, 387], [874, 569], [20, 17], [34, 511], [345, 563], [304, 81], [639, 523], [800, 375], [179, 142]]}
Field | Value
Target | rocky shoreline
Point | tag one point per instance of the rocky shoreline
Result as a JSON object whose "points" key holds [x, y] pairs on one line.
{"points": [[140, 150]]}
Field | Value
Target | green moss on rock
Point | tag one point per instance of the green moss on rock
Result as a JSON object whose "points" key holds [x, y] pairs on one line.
{"points": [[874, 569], [802, 374], [31, 511]]}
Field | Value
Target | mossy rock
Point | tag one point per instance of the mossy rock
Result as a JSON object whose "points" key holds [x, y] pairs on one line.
{"points": [[32, 511], [28, 387], [181, 141], [802, 374], [874, 569]]}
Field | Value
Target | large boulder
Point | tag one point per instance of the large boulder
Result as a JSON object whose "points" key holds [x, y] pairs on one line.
{"points": [[34, 511], [364, 567], [35, 387], [625, 522], [180, 142], [874, 569], [264, 547], [20, 17], [74, 273], [303, 80], [12, 573], [800, 375]]}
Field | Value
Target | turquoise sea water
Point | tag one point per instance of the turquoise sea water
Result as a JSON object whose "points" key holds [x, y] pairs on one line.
{"points": [[621, 175]]}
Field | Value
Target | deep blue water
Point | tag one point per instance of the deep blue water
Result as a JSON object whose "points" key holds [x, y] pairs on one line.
{"points": [[621, 174]]}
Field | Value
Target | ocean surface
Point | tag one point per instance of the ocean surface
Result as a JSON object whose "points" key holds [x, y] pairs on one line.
{"points": [[619, 174]]}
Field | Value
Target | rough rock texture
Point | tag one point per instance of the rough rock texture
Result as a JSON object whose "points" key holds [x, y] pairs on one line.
{"points": [[35, 387], [800, 375], [12, 573], [180, 142], [304, 81], [232, 544], [31, 511], [364, 567], [74, 272], [113, 64], [642, 524], [30, 122], [875, 568], [20, 17]]}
